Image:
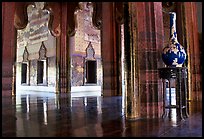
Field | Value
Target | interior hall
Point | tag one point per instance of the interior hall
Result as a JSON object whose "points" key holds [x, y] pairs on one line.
{"points": [[102, 69]]}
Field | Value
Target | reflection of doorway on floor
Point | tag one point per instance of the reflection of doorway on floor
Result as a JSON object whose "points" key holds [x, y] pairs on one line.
{"points": [[85, 91]]}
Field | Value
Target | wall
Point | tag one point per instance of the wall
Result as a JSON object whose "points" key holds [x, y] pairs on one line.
{"points": [[85, 34], [31, 38]]}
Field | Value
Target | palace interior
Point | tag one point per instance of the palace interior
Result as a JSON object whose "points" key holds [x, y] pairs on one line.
{"points": [[95, 69]]}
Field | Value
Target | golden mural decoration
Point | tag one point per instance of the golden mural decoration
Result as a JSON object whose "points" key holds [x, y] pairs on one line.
{"points": [[72, 9], [119, 7], [38, 23], [54, 9], [132, 100], [37, 29], [168, 7], [21, 16], [97, 16], [86, 32]]}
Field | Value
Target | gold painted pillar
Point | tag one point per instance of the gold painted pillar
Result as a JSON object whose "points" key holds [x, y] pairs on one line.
{"points": [[193, 51], [143, 29], [132, 104]]}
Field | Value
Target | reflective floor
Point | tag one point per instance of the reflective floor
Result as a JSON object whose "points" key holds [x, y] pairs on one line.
{"points": [[29, 115]]}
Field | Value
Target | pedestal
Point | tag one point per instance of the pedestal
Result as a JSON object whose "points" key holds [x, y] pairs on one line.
{"points": [[179, 74]]}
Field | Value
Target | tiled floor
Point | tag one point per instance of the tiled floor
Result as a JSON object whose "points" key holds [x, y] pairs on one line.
{"points": [[34, 115]]}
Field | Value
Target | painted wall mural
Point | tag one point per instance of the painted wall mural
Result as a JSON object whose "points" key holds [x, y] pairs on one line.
{"points": [[85, 31], [37, 28], [35, 35], [86, 34]]}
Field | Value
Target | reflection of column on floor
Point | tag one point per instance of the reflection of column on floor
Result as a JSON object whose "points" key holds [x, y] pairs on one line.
{"points": [[85, 101], [45, 112], [28, 107], [170, 98], [173, 96], [99, 105], [173, 102], [71, 102], [98, 128], [57, 104]]}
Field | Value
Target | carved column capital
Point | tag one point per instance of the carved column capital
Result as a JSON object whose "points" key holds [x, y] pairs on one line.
{"points": [[72, 9], [168, 6], [119, 9], [55, 13], [21, 16], [97, 15]]}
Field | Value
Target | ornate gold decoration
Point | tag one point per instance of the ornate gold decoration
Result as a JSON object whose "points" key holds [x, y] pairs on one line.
{"points": [[131, 67], [54, 9], [21, 16], [119, 12], [168, 7], [97, 16], [72, 9]]}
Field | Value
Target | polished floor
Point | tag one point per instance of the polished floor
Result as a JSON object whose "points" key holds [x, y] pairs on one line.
{"points": [[34, 115]]}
